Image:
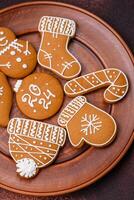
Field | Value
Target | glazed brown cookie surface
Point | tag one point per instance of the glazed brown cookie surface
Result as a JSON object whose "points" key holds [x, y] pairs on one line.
{"points": [[17, 57], [39, 95]]}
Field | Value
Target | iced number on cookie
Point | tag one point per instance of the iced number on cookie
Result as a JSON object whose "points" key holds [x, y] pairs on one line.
{"points": [[33, 144], [53, 53], [5, 100], [114, 79], [87, 123], [39, 95], [17, 57]]}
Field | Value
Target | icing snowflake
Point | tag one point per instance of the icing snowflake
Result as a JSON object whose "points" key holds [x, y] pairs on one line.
{"points": [[90, 124], [1, 91]]}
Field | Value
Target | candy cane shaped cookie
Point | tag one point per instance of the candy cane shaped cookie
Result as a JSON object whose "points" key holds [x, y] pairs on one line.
{"points": [[114, 79]]}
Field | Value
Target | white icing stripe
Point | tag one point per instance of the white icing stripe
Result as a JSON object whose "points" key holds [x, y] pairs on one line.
{"points": [[88, 80], [113, 93]]}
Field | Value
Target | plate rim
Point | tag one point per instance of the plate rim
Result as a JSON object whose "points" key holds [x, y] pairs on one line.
{"points": [[130, 141]]}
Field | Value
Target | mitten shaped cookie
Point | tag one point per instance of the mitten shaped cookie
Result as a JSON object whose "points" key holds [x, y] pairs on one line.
{"points": [[17, 57], [5, 100], [114, 79], [53, 53], [39, 95], [86, 123], [33, 144]]}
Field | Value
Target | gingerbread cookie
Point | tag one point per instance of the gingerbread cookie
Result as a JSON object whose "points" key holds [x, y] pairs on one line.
{"points": [[53, 53], [17, 57], [39, 95], [86, 123], [114, 79], [33, 144], [5, 100]]}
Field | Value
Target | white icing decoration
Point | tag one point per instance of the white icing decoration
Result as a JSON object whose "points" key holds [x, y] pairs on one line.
{"points": [[18, 59], [27, 52], [12, 53], [90, 124], [1, 90], [113, 83], [17, 85], [26, 167], [35, 90], [1, 32], [14, 44], [24, 66], [7, 65]]}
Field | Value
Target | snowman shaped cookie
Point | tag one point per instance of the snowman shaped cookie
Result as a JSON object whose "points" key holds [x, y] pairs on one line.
{"points": [[17, 57]]}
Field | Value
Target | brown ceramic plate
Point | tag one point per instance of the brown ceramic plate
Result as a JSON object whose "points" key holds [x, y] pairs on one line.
{"points": [[97, 46]]}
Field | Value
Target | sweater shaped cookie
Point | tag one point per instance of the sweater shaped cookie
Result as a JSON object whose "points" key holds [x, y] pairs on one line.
{"points": [[86, 123], [17, 57]]}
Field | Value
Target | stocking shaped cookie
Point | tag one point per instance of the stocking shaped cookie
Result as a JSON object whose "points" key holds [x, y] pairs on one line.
{"points": [[114, 79], [53, 53], [17, 57], [87, 123], [5, 100], [33, 144], [39, 95]]}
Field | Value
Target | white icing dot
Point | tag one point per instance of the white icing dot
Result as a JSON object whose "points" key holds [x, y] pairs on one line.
{"points": [[50, 145], [75, 86], [62, 58], [24, 66], [108, 71], [34, 110], [96, 81], [12, 53], [35, 77], [113, 88], [116, 92], [34, 142], [26, 147], [21, 155], [40, 156], [48, 43], [41, 143], [17, 140], [13, 137], [38, 163], [1, 33], [47, 151], [92, 77], [54, 49], [118, 89], [110, 76], [113, 72], [123, 92], [45, 158], [16, 155], [22, 90], [92, 81], [18, 59]]}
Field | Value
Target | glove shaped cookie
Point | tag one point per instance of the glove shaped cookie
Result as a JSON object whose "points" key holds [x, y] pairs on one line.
{"points": [[17, 57], [33, 144], [53, 53], [5, 100], [86, 123], [39, 95], [114, 79]]}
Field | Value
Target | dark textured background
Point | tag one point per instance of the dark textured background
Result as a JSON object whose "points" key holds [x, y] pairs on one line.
{"points": [[119, 183]]}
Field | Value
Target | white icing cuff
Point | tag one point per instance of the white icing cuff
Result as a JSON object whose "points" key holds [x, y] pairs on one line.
{"points": [[57, 25], [26, 167]]}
